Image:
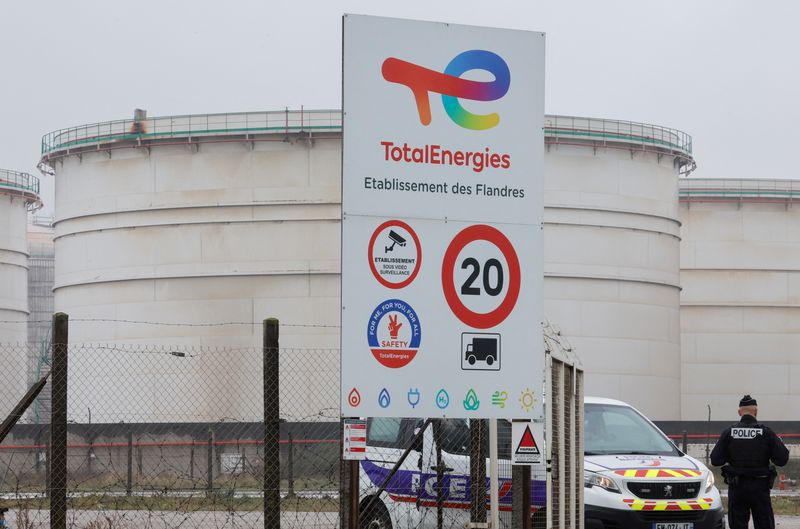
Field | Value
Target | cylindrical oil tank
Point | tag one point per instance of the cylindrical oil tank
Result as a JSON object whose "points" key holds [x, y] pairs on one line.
{"points": [[19, 193], [740, 305], [215, 221], [235, 217], [611, 251]]}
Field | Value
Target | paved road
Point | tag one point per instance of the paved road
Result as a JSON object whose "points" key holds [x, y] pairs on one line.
{"points": [[786, 522]]}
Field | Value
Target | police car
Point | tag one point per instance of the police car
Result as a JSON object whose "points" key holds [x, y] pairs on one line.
{"points": [[634, 475]]}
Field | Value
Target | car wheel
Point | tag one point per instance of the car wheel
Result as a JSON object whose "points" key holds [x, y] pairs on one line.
{"points": [[489, 360], [471, 360], [376, 517]]}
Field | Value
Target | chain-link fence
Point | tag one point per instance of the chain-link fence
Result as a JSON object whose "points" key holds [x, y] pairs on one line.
{"points": [[144, 436], [24, 451]]}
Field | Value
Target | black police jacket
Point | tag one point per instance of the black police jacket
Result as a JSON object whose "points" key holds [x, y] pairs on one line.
{"points": [[748, 447]]}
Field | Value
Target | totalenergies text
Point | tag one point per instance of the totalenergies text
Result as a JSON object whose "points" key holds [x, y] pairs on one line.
{"points": [[436, 155]]}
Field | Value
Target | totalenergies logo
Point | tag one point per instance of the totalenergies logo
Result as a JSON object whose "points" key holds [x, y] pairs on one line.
{"points": [[449, 84]]}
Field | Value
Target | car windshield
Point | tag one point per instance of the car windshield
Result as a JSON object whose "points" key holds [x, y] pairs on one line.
{"points": [[621, 430], [455, 437]]}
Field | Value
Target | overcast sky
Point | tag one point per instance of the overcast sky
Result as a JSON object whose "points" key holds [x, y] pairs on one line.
{"points": [[726, 72]]}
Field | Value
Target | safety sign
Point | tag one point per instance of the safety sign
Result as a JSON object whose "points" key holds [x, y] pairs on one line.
{"points": [[395, 254], [486, 276], [442, 211], [394, 333], [527, 443], [354, 445]]}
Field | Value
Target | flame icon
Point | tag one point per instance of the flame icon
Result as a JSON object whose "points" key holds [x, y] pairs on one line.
{"points": [[354, 398], [471, 403], [384, 399]]}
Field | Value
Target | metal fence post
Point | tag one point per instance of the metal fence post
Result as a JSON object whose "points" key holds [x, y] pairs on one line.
{"points": [[521, 497], [58, 427], [48, 456], [349, 506], [129, 484], [191, 460], [290, 466], [477, 472], [272, 454], [354, 482], [210, 462]]}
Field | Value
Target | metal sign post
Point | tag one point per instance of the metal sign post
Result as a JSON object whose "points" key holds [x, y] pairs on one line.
{"points": [[494, 481]]}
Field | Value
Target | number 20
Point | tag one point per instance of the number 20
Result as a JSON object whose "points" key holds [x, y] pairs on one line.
{"points": [[468, 289]]}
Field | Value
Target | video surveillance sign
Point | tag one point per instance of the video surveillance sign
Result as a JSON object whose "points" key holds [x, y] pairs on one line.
{"points": [[442, 273]]}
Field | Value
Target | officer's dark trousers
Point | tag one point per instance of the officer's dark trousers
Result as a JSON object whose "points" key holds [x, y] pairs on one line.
{"points": [[750, 495]]}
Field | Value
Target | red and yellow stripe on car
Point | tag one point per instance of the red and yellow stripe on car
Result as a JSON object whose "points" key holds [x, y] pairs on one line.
{"points": [[659, 473], [701, 504]]}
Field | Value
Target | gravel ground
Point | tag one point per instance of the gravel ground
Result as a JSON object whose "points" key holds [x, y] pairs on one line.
{"points": [[77, 519], [216, 520]]}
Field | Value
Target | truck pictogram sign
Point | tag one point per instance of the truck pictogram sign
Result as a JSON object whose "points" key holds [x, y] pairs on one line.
{"points": [[480, 351]]}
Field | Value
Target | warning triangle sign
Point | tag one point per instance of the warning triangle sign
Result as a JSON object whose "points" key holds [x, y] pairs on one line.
{"points": [[527, 445]]}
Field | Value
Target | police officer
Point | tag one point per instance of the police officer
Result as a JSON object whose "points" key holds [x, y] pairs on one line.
{"points": [[748, 447]]}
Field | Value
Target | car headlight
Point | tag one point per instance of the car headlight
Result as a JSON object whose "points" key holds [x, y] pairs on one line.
{"points": [[709, 481], [591, 479]]}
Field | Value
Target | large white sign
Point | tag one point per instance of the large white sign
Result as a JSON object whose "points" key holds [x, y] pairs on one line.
{"points": [[442, 220]]}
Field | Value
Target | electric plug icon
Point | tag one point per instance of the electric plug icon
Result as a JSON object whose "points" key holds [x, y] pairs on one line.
{"points": [[413, 397]]}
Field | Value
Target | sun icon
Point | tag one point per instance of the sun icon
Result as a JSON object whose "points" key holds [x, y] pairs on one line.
{"points": [[527, 400]]}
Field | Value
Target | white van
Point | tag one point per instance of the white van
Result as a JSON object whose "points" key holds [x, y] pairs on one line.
{"points": [[634, 475]]}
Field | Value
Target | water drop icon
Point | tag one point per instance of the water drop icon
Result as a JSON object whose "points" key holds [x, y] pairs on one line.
{"points": [[384, 399]]}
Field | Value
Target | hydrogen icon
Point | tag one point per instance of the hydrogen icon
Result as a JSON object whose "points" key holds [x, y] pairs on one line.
{"points": [[413, 397], [384, 399], [442, 399]]}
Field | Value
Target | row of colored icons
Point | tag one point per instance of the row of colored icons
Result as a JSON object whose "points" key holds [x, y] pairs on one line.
{"points": [[471, 402]]}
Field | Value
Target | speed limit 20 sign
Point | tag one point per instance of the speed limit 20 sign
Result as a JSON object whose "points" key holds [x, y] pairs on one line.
{"points": [[442, 272]]}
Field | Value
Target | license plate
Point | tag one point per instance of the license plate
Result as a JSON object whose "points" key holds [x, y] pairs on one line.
{"points": [[673, 525]]}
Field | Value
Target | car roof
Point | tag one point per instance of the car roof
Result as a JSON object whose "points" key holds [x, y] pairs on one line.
{"points": [[603, 400]]}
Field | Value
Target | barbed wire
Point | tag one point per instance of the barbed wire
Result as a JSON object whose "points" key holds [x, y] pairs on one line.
{"points": [[176, 324]]}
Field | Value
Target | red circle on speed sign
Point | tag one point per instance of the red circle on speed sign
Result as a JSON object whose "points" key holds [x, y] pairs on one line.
{"points": [[478, 320]]}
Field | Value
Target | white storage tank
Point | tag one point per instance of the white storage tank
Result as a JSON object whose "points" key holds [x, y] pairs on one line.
{"points": [[612, 254], [740, 304], [235, 217], [200, 220], [19, 193]]}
